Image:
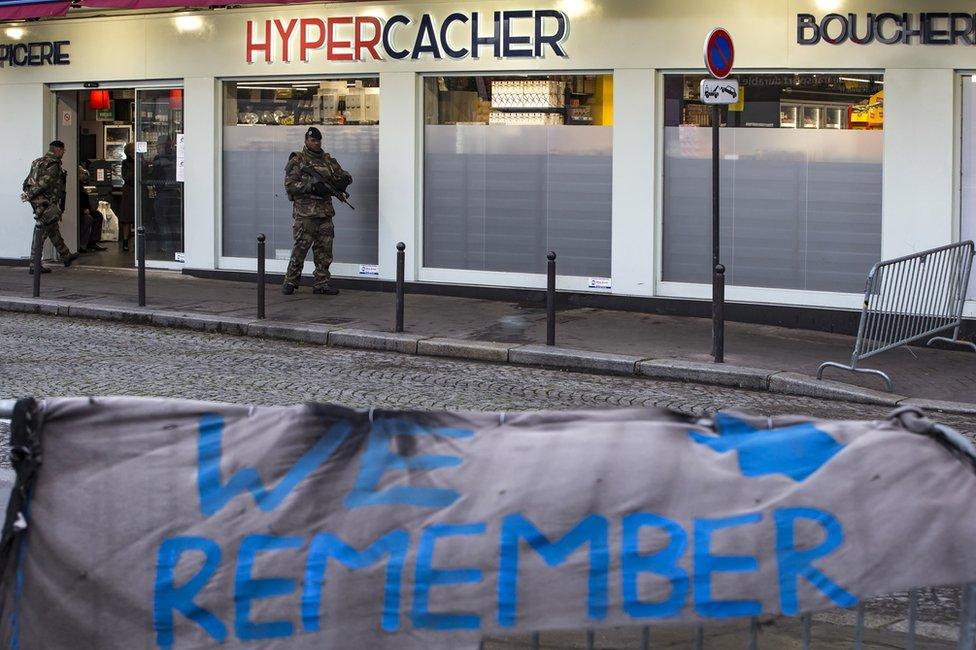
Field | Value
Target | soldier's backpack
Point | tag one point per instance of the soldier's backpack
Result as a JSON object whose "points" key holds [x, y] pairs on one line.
{"points": [[33, 176]]}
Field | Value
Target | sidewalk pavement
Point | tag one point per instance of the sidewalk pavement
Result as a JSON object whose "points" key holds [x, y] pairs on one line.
{"points": [[667, 347]]}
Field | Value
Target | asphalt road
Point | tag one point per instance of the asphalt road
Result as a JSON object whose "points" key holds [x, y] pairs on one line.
{"points": [[54, 356]]}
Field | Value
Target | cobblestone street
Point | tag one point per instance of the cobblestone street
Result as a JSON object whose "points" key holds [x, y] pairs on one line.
{"points": [[70, 357], [47, 356]]}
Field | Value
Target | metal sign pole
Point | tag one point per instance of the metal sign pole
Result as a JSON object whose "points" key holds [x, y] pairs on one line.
{"points": [[719, 54], [718, 271]]}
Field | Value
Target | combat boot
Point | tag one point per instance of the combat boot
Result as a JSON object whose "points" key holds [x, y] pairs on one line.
{"points": [[68, 260], [287, 289], [44, 269], [326, 290]]}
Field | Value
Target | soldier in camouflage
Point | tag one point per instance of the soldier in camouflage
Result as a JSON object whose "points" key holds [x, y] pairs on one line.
{"points": [[306, 175], [44, 189]]}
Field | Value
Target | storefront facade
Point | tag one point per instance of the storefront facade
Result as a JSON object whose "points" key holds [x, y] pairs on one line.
{"points": [[482, 135]]}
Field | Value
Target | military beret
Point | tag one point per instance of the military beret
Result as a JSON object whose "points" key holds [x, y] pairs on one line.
{"points": [[313, 133]]}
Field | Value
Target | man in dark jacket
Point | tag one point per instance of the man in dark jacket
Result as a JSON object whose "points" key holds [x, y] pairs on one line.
{"points": [[89, 218]]}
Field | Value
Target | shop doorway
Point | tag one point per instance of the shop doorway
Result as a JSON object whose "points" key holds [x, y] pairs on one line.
{"points": [[124, 170]]}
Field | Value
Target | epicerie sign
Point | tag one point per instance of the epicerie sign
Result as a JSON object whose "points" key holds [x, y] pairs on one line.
{"points": [[928, 28], [526, 34], [19, 55]]}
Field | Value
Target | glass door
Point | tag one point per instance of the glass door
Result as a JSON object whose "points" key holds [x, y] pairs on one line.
{"points": [[159, 172]]}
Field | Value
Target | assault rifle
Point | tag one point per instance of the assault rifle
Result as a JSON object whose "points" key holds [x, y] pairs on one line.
{"points": [[327, 188]]}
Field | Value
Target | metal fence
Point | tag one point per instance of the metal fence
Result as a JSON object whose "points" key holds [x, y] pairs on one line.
{"points": [[910, 299], [860, 628]]}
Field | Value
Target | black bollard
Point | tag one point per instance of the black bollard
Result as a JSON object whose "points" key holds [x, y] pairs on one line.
{"points": [[551, 298], [36, 259], [261, 275], [141, 249], [399, 286], [718, 315]]}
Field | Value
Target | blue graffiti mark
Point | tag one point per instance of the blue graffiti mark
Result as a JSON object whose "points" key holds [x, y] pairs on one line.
{"points": [[795, 563], [327, 545], [796, 451], [167, 597], [214, 495], [706, 564], [378, 459], [427, 576], [248, 589], [592, 530], [663, 562]]}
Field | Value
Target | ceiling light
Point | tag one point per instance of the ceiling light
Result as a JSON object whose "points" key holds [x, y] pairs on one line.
{"points": [[185, 24]]}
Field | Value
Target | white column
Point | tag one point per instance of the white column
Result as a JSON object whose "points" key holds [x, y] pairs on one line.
{"points": [[634, 138], [200, 190], [24, 134], [919, 161], [400, 141]]}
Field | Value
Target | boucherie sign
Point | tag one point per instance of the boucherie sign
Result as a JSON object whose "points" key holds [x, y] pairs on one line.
{"points": [[886, 28], [526, 34]]}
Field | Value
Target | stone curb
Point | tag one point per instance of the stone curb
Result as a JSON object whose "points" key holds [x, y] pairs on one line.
{"points": [[787, 383], [372, 340], [121, 314], [461, 349], [201, 322], [705, 373], [571, 359], [35, 306], [960, 408], [302, 333], [794, 383]]}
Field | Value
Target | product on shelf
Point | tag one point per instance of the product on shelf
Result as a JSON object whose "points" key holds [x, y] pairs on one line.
{"points": [[530, 93], [524, 119]]}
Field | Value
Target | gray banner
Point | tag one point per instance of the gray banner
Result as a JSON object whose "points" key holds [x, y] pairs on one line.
{"points": [[177, 524]]}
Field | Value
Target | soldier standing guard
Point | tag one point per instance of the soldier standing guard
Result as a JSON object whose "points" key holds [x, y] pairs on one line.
{"points": [[44, 188], [311, 177]]}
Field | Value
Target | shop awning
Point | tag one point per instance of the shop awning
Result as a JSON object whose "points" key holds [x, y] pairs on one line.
{"points": [[187, 4], [18, 10]]}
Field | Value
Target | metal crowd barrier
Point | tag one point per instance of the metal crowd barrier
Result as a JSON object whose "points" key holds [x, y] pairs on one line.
{"points": [[646, 638], [909, 299]]}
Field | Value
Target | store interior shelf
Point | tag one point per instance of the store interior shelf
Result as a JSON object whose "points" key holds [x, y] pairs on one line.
{"points": [[512, 109]]}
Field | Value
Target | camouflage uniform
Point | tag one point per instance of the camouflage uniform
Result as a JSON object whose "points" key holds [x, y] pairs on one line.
{"points": [[47, 199], [313, 214]]}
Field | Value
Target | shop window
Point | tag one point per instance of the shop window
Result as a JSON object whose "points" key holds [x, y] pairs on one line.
{"points": [[801, 175], [264, 121], [515, 166]]}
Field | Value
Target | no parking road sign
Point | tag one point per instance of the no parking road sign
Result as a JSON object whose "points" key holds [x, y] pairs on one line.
{"points": [[719, 53], [719, 56]]}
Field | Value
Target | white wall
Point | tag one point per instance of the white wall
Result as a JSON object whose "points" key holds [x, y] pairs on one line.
{"points": [[632, 259], [23, 137], [919, 159], [399, 173], [200, 191]]}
